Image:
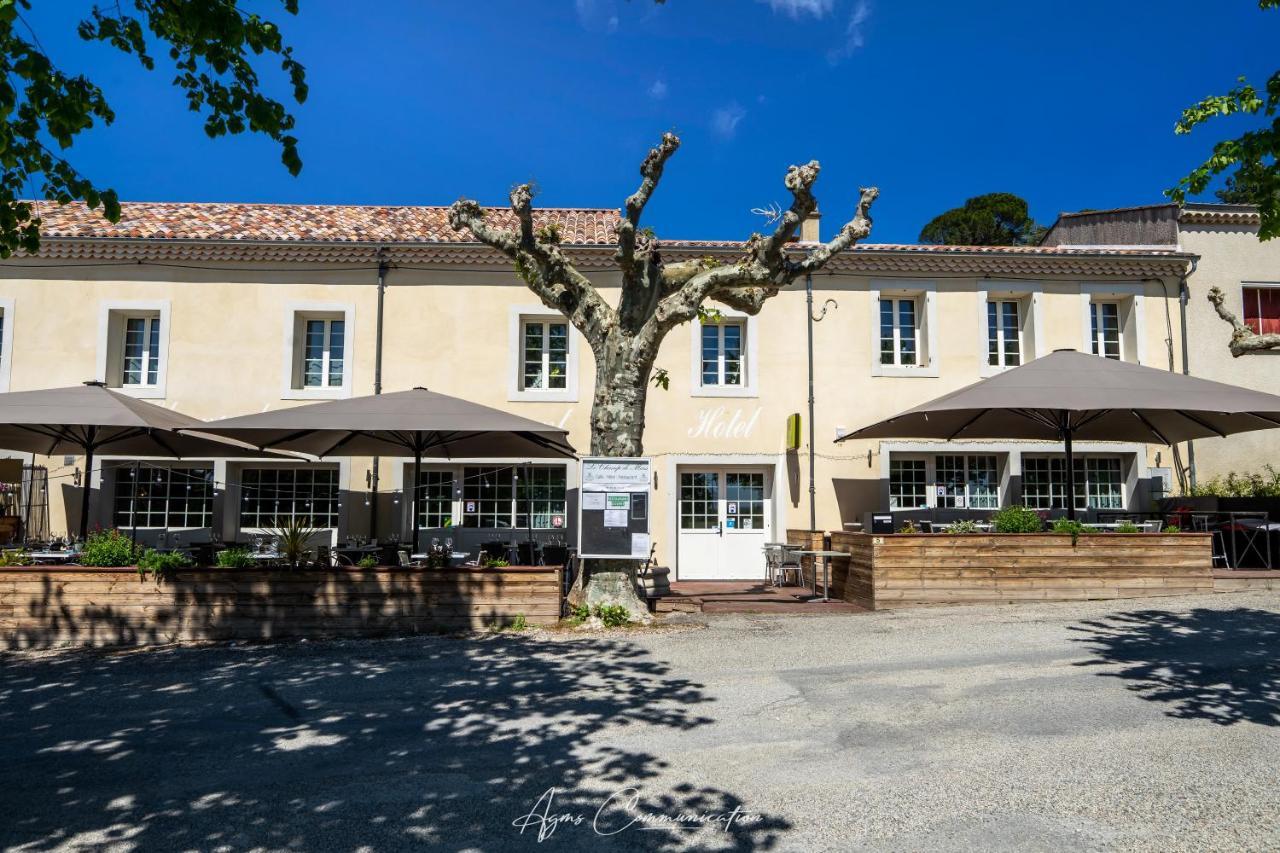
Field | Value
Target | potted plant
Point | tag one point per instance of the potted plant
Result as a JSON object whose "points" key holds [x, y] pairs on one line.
{"points": [[293, 535]]}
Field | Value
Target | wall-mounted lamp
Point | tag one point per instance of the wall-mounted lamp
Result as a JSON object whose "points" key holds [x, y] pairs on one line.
{"points": [[75, 478]]}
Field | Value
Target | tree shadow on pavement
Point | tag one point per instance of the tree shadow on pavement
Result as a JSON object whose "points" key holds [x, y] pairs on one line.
{"points": [[426, 743], [1217, 665]]}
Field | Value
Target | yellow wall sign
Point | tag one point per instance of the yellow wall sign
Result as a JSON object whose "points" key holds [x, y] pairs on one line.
{"points": [[793, 431]]}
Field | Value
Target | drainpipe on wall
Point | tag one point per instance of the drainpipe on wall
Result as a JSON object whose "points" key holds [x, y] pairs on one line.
{"points": [[377, 389], [1184, 296]]}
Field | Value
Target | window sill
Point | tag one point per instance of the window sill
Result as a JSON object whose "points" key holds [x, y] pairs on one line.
{"points": [[739, 391], [558, 395], [988, 370], [316, 393], [930, 371], [141, 392]]}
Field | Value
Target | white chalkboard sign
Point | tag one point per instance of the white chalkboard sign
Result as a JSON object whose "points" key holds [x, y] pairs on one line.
{"points": [[613, 512]]}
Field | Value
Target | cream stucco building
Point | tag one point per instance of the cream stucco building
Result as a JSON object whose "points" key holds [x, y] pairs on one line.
{"points": [[1222, 240], [217, 310]]}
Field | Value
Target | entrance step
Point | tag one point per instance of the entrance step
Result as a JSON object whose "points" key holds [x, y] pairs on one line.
{"points": [[743, 597]]}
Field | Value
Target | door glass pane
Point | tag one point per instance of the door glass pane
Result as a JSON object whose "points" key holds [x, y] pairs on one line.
{"points": [[887, 350], [951, 481], [699, 500], [533, 373], [436, 507], [983, 483], [153, 351], [486, 496], [993, 335], [1009, 337], [744, 500], [733, 354]]}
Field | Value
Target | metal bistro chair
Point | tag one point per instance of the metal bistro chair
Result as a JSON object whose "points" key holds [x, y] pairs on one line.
{"points": [[1200, 524], [789, 561]]}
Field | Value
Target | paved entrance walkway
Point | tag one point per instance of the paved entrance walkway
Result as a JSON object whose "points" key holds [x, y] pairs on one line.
{"points": [[747, 597]]}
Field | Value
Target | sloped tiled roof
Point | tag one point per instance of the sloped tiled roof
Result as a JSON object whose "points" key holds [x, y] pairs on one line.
{"points": [[351, 234], [302, 223]]}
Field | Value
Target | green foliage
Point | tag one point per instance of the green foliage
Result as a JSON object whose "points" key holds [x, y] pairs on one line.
{"points": [[1017, 519], [577, 615], [367, 562], [17, 557], [1171, 528], [710, 316], [487, 562], [612, 615], [107, 548], [210, 43], [994, 219], [1261, 484], [162, 564], [908, 526], [1127, 527], [662, 379], [519, 623], [294, 535], [1070, 526], [234, 558], [1253, 157], [964, 525], [549, 233]]}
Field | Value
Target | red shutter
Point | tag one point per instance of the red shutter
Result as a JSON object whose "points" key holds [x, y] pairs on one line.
{"points": [[1270, 310]]}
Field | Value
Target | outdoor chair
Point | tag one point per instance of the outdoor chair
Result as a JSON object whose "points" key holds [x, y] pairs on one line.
{"points": [[1200, 524], [789, 562], [1152, 526]]}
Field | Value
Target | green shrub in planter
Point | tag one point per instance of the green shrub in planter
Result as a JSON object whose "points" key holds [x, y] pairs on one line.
{"points": [[367, 562], [1071, 526], [1127, 527], [162, 564], [1017, 519], [1171, 528], [233, 558], [107, 548], [964, 525]]}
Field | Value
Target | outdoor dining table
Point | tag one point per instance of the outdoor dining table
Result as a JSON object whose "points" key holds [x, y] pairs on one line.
{"points": [[455, 557], [826, 571], [53, 556]]}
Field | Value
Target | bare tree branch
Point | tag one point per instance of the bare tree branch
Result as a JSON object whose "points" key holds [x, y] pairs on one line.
{"points": [[540, 262], [650, 175], [763, 270], [1243, 339]]}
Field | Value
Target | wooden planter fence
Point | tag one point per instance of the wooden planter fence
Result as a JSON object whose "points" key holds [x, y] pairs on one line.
{"points": [[910, 570], [46, 606]]}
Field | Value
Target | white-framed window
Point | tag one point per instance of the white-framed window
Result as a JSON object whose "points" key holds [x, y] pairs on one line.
{"points": [[904, 329], [318, 351], [899, 331], [723, 355], [133, 342], [544, 355], [435, 509], [271, 496], [1004, 333], [1112, 321], [1099, 482], [543, 351], [503, 496], [908, 483], [6, 342], [169, 496], [1104, 329], [966, 481], [140, 351], [323, 347]]}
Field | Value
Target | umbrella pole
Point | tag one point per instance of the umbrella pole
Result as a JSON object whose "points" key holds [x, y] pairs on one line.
{"points": [[417, 477], [133, 507], [84, 496], [1071, 475]]}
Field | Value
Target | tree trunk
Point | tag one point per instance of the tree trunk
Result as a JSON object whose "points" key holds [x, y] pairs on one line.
{"points": [[617, 429]]}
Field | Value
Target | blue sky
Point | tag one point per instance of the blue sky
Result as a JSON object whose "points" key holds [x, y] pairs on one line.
{"points": [[420, 102]]}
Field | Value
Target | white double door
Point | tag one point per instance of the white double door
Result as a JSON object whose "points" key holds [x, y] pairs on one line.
{"points": [[726, 516]]}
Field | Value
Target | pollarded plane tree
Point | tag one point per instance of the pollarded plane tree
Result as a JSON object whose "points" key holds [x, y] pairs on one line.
{"points": [[655, 298]]}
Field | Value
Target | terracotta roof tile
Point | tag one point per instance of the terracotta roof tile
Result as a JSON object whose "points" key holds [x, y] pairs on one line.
{"points": [[302, 223]]}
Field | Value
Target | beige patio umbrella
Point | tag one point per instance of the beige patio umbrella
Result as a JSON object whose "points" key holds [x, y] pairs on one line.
{"points": [[417, 423], [89, 418], [1068, 395]]}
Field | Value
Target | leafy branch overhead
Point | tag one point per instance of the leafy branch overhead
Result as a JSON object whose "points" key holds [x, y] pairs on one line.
{"points": [[1253, 158], [994, 219], [211, 43], [656, 296]]}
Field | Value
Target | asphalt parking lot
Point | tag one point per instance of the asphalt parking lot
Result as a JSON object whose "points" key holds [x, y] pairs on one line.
{"points": [[1130, 726]]}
